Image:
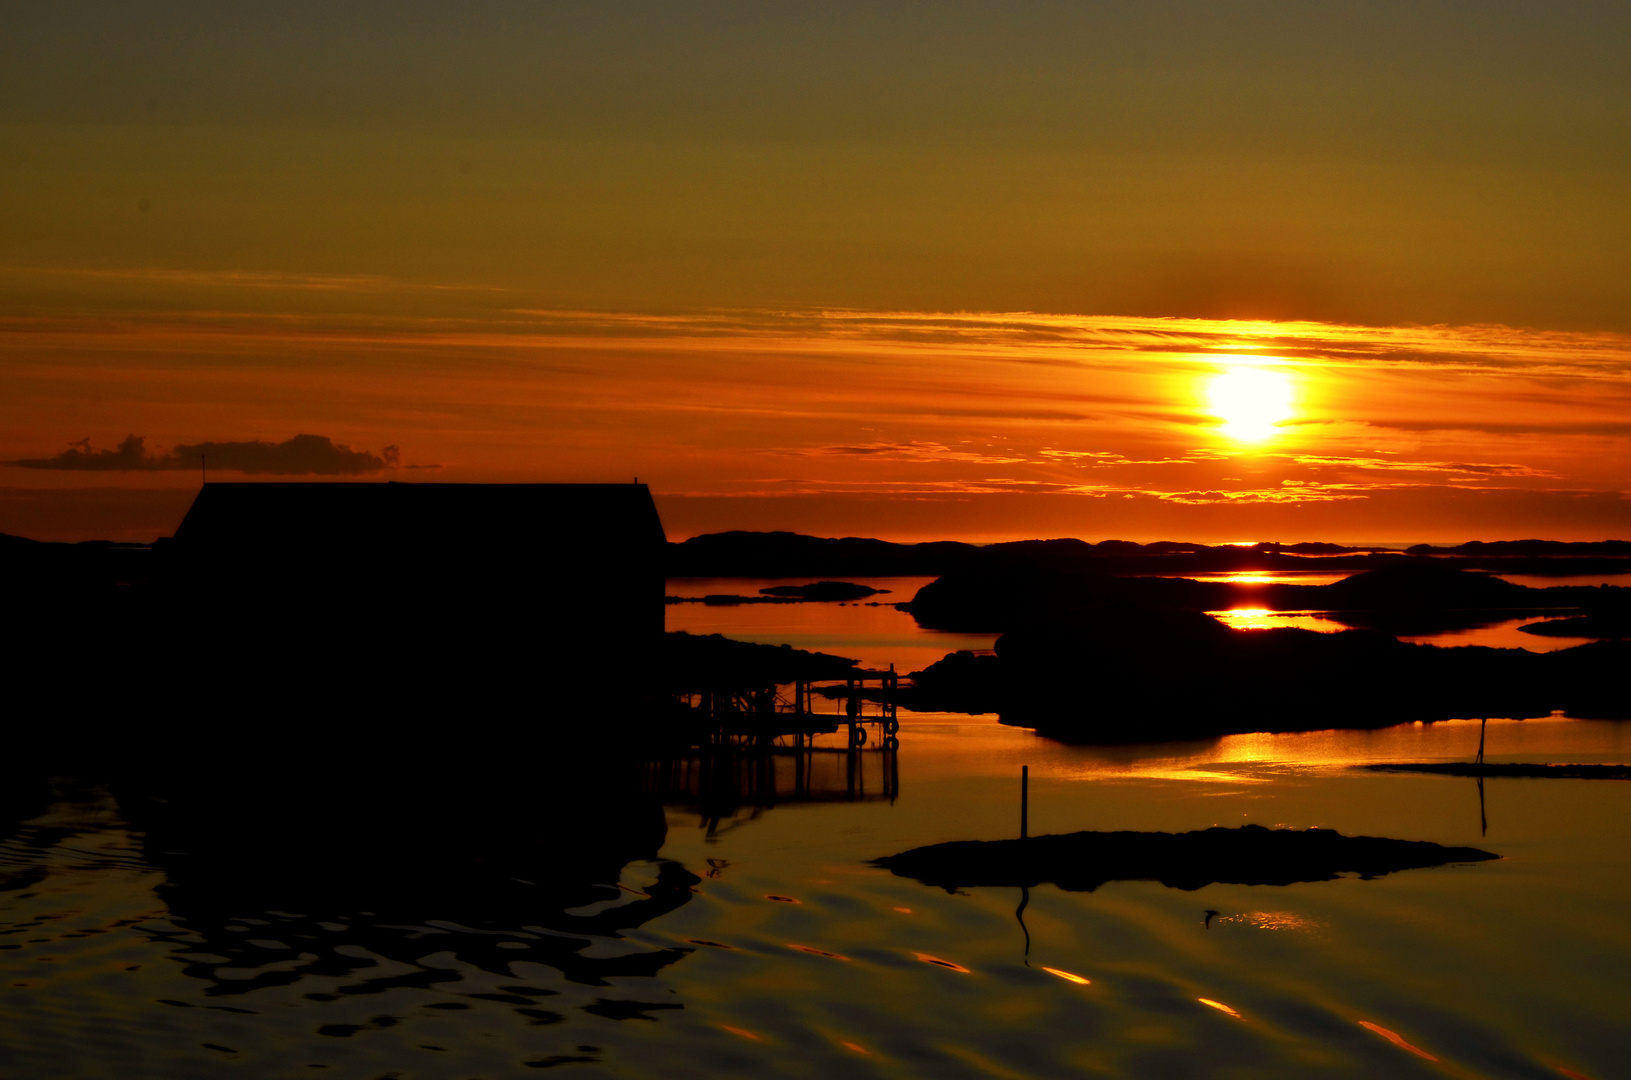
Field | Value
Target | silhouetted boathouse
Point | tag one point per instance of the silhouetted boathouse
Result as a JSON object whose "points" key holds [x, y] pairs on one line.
{"points": [[484, 584]]}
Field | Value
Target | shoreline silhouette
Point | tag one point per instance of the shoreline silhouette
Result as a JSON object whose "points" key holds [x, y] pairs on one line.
{"points": [[311, 597]]}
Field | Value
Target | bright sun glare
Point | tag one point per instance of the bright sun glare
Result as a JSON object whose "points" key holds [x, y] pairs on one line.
{"points": [[1251, 402]]}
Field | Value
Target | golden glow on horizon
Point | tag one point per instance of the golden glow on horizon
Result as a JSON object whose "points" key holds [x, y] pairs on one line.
{"points": [[1251, 402], [908, 426]]}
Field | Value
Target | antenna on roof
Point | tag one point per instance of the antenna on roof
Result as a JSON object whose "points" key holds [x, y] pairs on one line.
{"points": [[636, 479], [204, 467]]}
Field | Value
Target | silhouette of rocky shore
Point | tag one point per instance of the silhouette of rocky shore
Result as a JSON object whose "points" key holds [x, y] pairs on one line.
{"points": [[786, 554], [1127, 674], [1536, 558], [1096, 658], [1402, 596], [1601, 625], [1249, 855], [705, 662], [1094, 646]]}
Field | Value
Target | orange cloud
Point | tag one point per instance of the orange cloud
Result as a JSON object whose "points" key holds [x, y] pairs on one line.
{"points": [[302, 455], [972, 411]]}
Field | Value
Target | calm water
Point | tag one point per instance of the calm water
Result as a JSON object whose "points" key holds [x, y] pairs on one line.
{"points": [[877, 635], [724, 922]]}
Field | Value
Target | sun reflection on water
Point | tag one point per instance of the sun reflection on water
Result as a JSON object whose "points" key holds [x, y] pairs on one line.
{"points": [[1221, 1007]]}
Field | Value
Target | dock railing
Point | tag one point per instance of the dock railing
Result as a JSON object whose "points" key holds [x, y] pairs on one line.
{"points": [[862, 706]]}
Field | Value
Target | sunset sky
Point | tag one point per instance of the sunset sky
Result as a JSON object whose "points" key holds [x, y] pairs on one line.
{"points": [[1245, 271]]}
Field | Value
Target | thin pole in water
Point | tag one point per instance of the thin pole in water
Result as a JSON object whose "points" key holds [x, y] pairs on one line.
{"points": [[1483, 819], [1024, 830], [1024, 801]]}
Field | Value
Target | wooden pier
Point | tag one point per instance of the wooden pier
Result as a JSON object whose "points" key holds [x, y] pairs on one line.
{"points": [[793, 715]]}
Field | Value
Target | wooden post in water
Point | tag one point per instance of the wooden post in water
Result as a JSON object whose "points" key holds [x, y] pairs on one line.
{"points": [[1024, 801], [1024, 831]]}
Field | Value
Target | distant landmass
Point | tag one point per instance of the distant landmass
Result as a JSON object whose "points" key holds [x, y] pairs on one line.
{"points": [[1549, 549], [786, 554]]}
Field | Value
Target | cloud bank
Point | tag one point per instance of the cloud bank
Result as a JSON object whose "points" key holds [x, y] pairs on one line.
{"points": [[303, 455]]}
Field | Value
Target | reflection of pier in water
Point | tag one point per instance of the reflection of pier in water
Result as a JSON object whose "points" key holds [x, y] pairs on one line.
{"points": [[719, 782]]}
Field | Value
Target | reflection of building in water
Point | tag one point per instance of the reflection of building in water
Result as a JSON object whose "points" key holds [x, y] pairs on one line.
{"points": [[720, 782], [356, 883]]}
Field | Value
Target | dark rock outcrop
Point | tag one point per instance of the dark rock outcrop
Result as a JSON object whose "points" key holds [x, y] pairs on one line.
{"points": [[1126, 674], [1249, 855], [1410, 596], [1601, 625], [995, 599], [707, 662], [824, 591], [960, 682]]}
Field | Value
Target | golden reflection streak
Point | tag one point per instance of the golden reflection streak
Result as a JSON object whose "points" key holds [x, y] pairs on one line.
{"points": [[1248, 618], [1396, 1039], [935, 960], [1068, 977], [1221, 1007], [1268, 619]]}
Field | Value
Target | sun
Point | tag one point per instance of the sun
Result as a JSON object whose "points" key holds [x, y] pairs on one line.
{"points": [[1251, 402]]}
